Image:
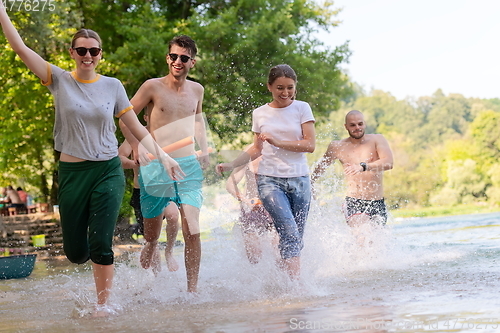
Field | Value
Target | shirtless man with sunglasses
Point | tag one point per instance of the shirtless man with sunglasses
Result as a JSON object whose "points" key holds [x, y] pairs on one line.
{"points": [[175, 106]]}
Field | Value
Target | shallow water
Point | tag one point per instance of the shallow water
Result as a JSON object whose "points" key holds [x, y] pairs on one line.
{"points": [[416, 275]]}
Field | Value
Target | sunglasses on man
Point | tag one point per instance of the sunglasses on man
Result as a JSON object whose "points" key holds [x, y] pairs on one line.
{"points": [[174, 56], [82, 51]]}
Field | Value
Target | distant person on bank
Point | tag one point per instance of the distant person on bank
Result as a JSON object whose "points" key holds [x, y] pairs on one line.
{"points": [[13, 198], [22, 195]]}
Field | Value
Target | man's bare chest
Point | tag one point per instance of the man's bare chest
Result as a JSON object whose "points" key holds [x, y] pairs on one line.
{"points": [[365, 152], [175, 105]]}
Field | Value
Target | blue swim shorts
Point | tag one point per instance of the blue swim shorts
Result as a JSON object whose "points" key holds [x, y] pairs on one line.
{"points": [[158, 189]]}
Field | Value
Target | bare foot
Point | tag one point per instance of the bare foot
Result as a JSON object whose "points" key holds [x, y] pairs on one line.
{"points": [[149, 255], [280, 263], [103, 310], [156, 262], [171, 262]]}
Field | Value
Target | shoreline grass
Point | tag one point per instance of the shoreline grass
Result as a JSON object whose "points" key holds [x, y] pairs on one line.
{"points": [[444, 211]]}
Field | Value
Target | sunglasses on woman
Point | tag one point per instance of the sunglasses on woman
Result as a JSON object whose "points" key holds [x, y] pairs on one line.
{"points": [[94, 51], [174, 56]]}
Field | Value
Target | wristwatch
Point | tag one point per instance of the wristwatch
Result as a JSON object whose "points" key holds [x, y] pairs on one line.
{"points": [[363, 165]]}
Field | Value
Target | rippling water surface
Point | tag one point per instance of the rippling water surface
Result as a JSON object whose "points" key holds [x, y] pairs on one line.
{"points": [[416, 275]]}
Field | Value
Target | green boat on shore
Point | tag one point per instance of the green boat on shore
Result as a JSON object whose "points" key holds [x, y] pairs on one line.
{"points": [[17, 266]]}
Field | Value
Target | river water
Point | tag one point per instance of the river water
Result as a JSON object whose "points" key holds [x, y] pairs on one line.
{"points": [[416, 275]]}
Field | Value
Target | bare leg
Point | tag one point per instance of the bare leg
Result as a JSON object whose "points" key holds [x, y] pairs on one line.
{"points": [[252, 246], [357, 220], [192, 258], [150, 257], [358, 224], [292, 267], [192, 249], [172, 216], [103, 278], [275, 240]]}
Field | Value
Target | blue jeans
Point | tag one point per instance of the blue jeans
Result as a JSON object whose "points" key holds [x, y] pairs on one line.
{"points": [[287, 200]]}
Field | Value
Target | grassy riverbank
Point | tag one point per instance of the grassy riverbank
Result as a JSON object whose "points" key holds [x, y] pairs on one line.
{"points": [[444, 211]]}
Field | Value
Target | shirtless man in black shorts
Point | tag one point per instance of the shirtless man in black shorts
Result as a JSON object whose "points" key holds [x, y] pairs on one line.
{"points": [[364, 157]]}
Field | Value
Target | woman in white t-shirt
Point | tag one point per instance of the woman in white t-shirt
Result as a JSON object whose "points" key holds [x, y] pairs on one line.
{"points": [[283, 133], [91, 180]]}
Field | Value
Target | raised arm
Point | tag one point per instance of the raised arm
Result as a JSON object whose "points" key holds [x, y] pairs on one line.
{"points": [[32, 60]]}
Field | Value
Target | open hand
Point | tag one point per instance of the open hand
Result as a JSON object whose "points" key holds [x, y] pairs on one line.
{"points": [[172, 167]]}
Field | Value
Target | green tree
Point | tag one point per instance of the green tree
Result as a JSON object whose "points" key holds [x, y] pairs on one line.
{"points": [[485, 137], [485, 132], [465, 184], [238, 40], [243, 39], [384, 113], [493, 192], [445, 117]]}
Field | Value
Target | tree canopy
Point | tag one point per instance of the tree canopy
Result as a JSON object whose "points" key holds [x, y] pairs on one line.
{"points": [[445, 147], [238, 42]]}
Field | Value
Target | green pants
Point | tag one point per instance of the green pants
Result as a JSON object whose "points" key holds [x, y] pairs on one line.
{"points": [[90, 196]]}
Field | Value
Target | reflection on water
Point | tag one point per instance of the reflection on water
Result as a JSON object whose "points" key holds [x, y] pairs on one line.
{"points": [[419, 275]]}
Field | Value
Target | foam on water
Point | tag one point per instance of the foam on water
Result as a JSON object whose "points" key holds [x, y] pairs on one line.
{"points": [[332, 255], [403, 265]]}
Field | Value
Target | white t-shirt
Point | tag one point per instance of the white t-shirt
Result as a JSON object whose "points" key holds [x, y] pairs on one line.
{"points": [[85, 111], [283, 124]]}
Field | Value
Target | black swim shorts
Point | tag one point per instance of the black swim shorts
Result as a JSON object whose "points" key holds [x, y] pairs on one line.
{"points": [[354, 206]]}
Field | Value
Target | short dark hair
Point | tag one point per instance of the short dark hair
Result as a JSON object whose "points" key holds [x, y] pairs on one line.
{"points": [[184, 42], [86, 33]]}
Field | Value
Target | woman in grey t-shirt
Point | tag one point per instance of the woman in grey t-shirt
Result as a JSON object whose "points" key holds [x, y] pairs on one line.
{"points": [[91, 181]]}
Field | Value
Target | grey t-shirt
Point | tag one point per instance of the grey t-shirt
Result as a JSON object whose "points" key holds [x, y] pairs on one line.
{"points": [[84, 125]]}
